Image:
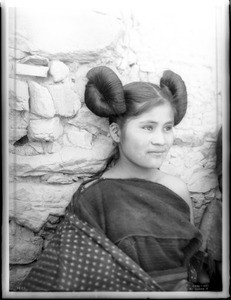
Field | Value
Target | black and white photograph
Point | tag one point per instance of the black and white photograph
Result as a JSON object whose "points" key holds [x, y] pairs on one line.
{"points": [[115, 118]]}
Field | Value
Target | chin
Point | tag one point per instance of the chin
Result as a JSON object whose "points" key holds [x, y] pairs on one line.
{"points": [[149, 163], [152, 165], [156, 164]]}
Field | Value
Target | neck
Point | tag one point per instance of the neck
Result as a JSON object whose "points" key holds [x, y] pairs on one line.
{"points": [[125, 169]]}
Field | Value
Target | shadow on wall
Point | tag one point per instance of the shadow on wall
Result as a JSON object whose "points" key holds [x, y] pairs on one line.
{"points": [[211, 228]]}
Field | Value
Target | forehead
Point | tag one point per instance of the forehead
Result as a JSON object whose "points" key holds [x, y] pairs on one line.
{"points": [[161, 113]]}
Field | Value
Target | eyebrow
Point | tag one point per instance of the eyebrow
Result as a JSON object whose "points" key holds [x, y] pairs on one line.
{"points": [[153, 122]]}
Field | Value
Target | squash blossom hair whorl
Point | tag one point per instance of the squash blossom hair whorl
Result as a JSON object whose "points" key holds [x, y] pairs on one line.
{"points": [[104, 94], [172, 84]]}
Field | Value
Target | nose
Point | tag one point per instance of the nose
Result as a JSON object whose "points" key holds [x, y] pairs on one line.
{"points": [[158, 138]]}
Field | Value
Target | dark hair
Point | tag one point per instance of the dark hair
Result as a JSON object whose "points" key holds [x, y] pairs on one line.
{"points": [[104, 93], [107, 97]]}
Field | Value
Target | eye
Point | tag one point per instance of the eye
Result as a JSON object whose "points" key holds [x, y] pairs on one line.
{"points": [[168, 128], [148, 127]]}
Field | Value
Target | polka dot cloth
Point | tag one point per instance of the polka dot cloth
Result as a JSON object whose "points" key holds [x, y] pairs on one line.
{"points": [[81, 259]]}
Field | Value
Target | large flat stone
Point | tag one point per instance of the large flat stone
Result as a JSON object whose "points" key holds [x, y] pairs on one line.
{"points": [[66, 101], [35, 60], [45, 129], [17, 274], [31, 70], [70, 160], [25, 247], [87, 120], [203, 181], [31, 203], [77, 137], [59, 178], [34, 26], [18, 124], [19, 94], [58, 70], [41, 101]]}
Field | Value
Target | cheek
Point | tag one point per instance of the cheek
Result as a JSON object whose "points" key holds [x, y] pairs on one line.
{"points": [[130, 138], [134, 145], [170, 139]]}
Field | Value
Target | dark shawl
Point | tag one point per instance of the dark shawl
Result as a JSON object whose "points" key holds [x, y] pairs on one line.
{"points": [[117, 236], [148, 221]]}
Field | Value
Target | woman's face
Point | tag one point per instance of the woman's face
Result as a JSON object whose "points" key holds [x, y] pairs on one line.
{"points": [[146, 139]]}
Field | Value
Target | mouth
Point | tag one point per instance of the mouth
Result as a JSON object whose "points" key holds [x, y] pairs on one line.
{"points": [[156, 153]]}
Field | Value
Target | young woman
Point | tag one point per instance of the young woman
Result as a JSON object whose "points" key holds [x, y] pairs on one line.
{"points": [[131, 226]]}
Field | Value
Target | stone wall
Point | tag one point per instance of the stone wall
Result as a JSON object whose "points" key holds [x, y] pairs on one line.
{"points": [[55, 141]]}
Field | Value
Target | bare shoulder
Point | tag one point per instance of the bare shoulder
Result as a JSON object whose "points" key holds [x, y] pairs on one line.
{"points": [[175, 184], [178, 186]]}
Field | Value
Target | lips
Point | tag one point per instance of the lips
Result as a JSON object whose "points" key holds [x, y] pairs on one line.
{"points": [[156, 152]]}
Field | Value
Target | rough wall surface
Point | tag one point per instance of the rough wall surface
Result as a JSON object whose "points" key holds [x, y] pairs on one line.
{"points": [[55, 141]]}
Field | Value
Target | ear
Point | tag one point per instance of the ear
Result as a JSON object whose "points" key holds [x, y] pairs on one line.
{"points": [[115, 132]]}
